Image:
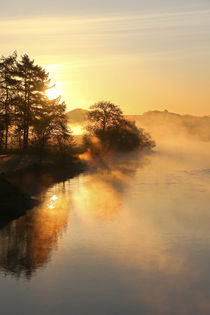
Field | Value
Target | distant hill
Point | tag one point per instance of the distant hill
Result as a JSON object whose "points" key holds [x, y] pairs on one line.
{"points": [[77, 116], [165, 124]]}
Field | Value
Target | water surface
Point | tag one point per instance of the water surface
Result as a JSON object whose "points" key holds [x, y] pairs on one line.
{"points": [[133, 238]]}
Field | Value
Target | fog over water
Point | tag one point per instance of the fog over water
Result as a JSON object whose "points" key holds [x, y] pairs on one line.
{"points": [[131, 238]]}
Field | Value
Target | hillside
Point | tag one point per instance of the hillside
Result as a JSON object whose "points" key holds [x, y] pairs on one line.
{"points": [[77, 116]]}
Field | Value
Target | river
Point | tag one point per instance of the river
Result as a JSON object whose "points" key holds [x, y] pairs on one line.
{"points": [[129, 239]]}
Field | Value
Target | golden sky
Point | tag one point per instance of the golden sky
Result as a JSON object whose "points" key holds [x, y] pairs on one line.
{"points": [[142, 59]]}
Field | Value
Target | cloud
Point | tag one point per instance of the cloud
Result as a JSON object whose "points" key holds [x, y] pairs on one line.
{"points": [[75, 25]]}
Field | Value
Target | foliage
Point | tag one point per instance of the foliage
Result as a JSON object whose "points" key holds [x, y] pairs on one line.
{"points": [[8, 88], [104, 115], [114, 132], [26, 113], [33, 81]]}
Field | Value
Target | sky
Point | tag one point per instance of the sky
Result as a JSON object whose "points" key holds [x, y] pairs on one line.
{"points": [[141, 55]]}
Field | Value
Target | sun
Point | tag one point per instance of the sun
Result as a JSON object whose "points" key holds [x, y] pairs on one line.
{"points": [[53, 92]]}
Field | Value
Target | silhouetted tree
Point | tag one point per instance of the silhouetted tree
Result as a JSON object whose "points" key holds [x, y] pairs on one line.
{"points": [[2, 127], [8, 90], [33, 82], [104, 115], [60, 131], [50, 124], [108, 124]]}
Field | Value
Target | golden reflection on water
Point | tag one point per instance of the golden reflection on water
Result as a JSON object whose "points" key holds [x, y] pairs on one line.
{"points": [[26, 244], [89, 203], [101, 192]]}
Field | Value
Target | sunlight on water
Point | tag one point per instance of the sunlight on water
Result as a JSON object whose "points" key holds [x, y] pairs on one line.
{"points": [[132, 238], [52, 202]]}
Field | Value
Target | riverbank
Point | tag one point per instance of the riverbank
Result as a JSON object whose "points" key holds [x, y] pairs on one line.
{"points": [[23, 177]]}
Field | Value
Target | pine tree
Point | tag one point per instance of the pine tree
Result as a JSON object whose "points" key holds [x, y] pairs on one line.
{"points": [[33, 81], [8, 90]]}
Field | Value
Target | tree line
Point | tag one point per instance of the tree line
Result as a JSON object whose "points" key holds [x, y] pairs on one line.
{"points": [[29, 119], [27, 116]]}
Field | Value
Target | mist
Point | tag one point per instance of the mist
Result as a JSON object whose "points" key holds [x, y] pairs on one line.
{"points": [[166, 125]]}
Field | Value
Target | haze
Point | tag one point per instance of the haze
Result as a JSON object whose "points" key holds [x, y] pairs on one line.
{"points": [[140, 55]]}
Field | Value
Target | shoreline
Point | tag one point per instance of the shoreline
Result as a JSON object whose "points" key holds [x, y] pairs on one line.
{"points": [[20, 187]]}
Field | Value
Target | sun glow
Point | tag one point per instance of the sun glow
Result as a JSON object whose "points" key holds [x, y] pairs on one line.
{"points": [[53, 92], [77, 129]]}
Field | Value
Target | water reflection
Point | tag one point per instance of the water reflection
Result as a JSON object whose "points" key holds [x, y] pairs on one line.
{"points": [[101, 192], [26, 244]]}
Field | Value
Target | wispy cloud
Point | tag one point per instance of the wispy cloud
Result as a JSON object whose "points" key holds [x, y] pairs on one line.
{"points": [[128, 34], [100, 25]]}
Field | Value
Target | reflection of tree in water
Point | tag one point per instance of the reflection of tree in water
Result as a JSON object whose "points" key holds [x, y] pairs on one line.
{"points": [[102, 191], [27, 243]]}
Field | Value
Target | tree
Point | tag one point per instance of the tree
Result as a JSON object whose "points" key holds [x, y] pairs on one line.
{"points": [[50, 124], [104, 115], [1, 130], [60, 131], [8, 89], [33, 81], [109, 126]]}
